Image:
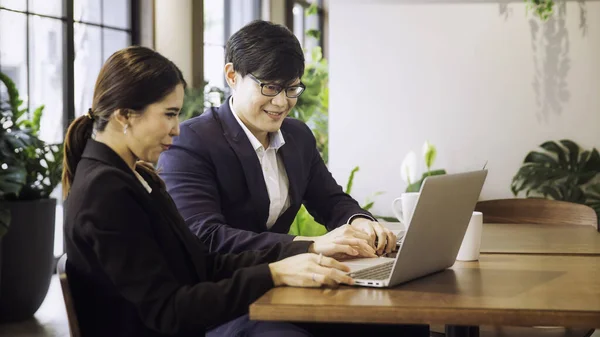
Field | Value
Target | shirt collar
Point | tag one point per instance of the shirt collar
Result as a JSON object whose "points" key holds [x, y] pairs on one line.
{"points": [[276, 139]]}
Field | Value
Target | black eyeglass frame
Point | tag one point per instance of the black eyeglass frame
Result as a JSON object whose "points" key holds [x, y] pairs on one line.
{"points": [[262, 87]]}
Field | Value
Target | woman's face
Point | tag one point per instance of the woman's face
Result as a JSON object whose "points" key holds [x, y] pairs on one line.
{"points": [[152, 132]]}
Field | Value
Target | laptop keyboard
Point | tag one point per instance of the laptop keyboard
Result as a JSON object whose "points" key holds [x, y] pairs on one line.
{"points": [[378, 272]]}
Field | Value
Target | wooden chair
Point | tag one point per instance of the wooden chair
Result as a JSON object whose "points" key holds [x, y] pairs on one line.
{"points": [[64, 283], [537, 211], [534, 211]]}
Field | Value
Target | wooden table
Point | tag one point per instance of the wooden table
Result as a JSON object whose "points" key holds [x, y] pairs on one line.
{"points": [[540, 239], [535, 239], [509, 290]]}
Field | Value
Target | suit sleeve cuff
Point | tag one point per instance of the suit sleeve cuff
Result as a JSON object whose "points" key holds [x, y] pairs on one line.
{"points": [[295, 248], [360, 215]]}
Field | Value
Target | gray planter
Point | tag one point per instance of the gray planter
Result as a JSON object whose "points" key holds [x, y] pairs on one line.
{"points": [[26, 258]]}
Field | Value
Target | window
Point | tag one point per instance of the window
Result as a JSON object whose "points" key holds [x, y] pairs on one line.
{"points": [[307, 21], [221, 19], [101, 27], [35, 53]]}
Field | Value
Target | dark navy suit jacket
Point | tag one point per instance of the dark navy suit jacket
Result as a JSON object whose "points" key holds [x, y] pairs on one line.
{"points": [[215, 178]]}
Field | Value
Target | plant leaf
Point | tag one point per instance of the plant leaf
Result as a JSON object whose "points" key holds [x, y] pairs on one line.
{"points": [[312, 9], [12, 180], [368, 206], [429, 154], [573, 151], [558, 150], [414, 187], [351, 180], [540, 158], [314, 33], [593, 162]]}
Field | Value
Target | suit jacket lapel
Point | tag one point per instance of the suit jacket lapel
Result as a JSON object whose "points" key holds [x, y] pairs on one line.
{"points": [[240, 144]]}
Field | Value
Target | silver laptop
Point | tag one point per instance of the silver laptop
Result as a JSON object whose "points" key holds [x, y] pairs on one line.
{"points": [[437, 227]]}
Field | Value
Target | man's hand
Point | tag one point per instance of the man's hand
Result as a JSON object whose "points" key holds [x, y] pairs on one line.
{"points": [[380, 238], [341, 243]]}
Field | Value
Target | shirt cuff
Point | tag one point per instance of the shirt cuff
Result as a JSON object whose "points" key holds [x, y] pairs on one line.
{"points": [[360, 215]]}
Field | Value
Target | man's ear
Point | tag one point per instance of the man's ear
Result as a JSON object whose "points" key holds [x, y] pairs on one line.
{"points": [[230, 75]]}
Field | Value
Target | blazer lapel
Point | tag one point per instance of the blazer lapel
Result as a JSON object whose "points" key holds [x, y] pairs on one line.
{"points": [[240, 144]]}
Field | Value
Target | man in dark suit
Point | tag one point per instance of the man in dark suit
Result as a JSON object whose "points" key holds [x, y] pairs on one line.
{"points": [[240, 172]]}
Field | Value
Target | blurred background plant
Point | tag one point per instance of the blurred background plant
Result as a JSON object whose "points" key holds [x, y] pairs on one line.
{"points": [[313, 106], [197, 100], [30, 169], [305, 225], [543, 9], [409, 167], [561, 170]]}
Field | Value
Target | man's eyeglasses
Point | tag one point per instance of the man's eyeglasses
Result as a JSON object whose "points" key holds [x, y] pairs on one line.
{"points": [[272, 90]]}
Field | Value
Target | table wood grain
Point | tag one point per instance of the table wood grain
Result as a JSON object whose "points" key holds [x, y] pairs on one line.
{"points": [[540, 239], [501, 290]]}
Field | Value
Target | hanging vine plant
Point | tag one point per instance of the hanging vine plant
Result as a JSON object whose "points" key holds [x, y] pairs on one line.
{"points": [[541, 8]]}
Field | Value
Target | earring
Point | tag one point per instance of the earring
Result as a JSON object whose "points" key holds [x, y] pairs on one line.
{"points": [[125, 129]]}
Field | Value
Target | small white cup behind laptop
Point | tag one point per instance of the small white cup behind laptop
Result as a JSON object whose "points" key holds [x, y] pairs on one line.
{"points": [[470, 247], [405, 209]]}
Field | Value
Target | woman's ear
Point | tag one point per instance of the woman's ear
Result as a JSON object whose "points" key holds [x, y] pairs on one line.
{"points": [[230, 75], [121, 116]]}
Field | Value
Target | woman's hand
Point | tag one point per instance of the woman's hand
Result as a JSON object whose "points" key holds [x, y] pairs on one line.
{"points": [[309, 270]]}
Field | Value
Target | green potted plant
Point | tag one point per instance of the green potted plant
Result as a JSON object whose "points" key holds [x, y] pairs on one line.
{"points": [[305, 225], [409, 167], [196, 100], [543, 9], [312, 107], [30, 169], [561, 170]]}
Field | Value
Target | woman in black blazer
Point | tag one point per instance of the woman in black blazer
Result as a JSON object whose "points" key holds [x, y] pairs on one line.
{"points": [[134, 267]]}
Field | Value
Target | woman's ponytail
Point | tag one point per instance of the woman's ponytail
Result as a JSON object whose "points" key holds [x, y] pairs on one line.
{"points": [[77, 136]]}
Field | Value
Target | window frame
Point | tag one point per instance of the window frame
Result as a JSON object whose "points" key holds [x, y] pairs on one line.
{"points": [[68, 40]]}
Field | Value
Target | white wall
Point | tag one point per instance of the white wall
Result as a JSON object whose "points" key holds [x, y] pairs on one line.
{"points": [[479, 79], [173, 33]]}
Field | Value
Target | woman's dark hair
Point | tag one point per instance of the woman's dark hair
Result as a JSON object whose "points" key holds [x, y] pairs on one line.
{"points": [[130, 80], [266, 50]]}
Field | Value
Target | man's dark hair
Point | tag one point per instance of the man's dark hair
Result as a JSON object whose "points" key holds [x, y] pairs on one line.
{"points": [[268, 51]]}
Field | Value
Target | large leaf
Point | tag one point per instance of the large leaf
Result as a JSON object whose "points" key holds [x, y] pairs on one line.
{"points": [[44, 171], [556, 149], [565, 193], [593, 162], [305, 225], [14, 101], [540, 158], [12, 179], [562, 163]]}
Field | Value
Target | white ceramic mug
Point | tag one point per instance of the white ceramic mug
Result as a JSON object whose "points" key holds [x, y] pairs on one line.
{"points": [[471, 244], [404, 206]]}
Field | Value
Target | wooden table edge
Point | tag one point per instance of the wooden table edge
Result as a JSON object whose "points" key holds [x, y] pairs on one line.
{"points": [[423, 315]]}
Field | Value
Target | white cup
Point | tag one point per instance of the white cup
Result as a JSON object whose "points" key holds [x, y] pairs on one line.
{"points": [[471, 244], [405, 209]]}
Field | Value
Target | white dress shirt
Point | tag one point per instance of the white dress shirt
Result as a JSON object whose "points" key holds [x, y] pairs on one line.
{"points": [[274, 172]]}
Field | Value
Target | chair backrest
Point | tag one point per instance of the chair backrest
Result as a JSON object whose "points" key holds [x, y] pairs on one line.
{"points": [[66, 290], [537, 211]]}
